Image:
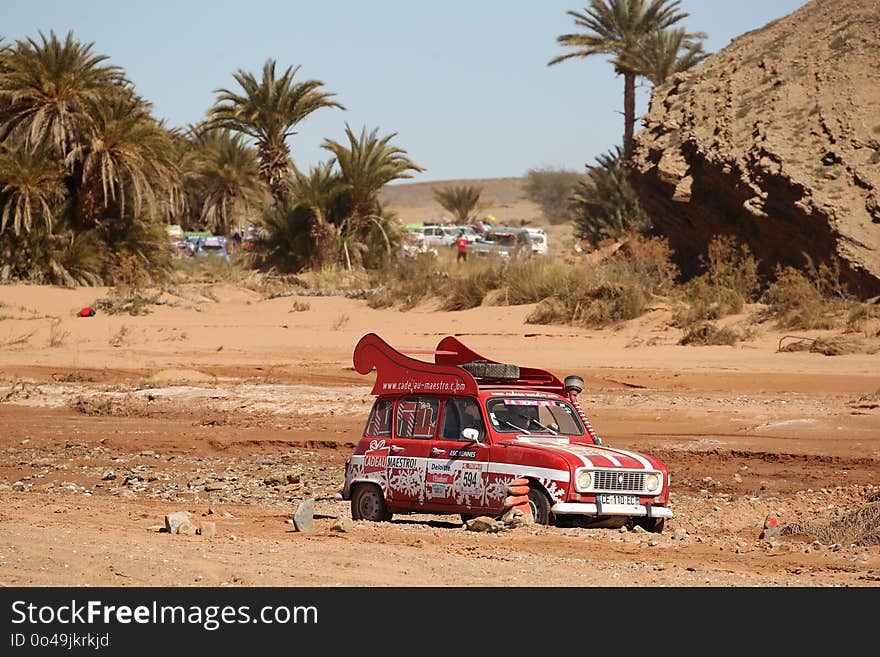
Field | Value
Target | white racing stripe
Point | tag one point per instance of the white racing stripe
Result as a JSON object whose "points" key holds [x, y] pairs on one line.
{"points": [[493, 467], [606, 452], [633, 455], [518, 470]]}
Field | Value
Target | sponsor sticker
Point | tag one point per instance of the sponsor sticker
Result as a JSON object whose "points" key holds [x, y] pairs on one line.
{"points": [[376, 458], [401, 462]]}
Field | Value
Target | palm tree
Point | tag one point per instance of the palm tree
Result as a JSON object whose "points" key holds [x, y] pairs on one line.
{"points": [[619, 28], [367, 164], [31, 184], [51, 89], [463, 201], [323, 193], [664, 53], [125, 154], [267, 110], [604, 203], [231, 187], [284, 243]]}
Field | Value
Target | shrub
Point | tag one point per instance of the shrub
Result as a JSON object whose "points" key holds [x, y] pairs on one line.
{"points": [[806, 300], [701, 301], [729, 281], [707, 333], [408, 282], [550, 190], [604, 204], [731, 265], [603, 296], [650, 261], [862, 317], [535, 279], [467, 290], [608, 304], [549, 311]]}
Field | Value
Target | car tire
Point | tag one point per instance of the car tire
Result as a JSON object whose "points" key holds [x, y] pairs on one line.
{"points": [[540, 505], [368, 503], [481, 369]]}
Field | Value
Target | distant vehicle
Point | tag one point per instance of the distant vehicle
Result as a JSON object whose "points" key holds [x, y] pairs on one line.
{"points": [[188, 246], [503, 242], [214, 246], [437, 236], [538, 237], [470, 233]]}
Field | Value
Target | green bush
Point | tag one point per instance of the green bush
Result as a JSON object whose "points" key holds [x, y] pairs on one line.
{"points": [[550, 190], [535, 279]]}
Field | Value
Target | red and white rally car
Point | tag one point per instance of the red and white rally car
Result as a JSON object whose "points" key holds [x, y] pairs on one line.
{"points": [[450, 436]]}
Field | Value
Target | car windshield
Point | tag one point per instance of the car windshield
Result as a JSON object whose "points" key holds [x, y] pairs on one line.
{"points": [[534, 416]]}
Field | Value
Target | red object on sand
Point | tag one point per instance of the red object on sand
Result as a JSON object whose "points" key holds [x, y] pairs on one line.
{"points": [[88, 311]]}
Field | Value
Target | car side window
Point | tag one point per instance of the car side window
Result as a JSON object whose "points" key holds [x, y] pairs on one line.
{"points": [[417, 417], [462, 413], [379, 423]]}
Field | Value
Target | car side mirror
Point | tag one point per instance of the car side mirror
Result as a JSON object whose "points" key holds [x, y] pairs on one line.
{"points": [[471, 435]]}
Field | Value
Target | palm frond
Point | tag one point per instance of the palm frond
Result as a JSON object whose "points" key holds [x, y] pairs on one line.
{"points": [[52, 89], [267, 110]]}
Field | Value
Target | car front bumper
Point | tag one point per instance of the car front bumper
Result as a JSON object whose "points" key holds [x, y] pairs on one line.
{"points": [[590, 509]]}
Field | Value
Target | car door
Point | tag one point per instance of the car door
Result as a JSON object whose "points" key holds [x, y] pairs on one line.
{"points": [[457, 467], [415, 426]]}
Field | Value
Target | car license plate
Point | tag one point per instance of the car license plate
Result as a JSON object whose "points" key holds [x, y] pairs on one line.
{"points": [[631, 500]]}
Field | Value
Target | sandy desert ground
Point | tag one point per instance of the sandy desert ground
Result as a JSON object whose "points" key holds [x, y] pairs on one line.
{"points": [[235, 407]]}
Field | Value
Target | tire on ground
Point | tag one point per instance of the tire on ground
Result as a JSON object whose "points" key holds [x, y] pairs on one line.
{"points": [[540, 504], [368, 503]]}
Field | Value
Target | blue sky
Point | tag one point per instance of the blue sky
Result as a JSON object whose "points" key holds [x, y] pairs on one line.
{"points": [[464, 83]]}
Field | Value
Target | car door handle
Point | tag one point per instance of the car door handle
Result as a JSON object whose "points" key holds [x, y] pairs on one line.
{"points": [[437, 450], [397, 448]]}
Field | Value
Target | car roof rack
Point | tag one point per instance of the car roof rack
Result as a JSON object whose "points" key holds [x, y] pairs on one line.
{"points": [[451, 351], [456, 369]]}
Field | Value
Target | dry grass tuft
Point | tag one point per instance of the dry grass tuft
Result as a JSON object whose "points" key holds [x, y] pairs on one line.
{"points": [[860, 527], [120, 338], [707, 333], [829, 346], [19, 340], [808, 300], [57, 335], [106, 406]]}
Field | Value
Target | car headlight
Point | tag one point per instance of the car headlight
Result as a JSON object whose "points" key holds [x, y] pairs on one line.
{"points": [[653, 483], [584, 480]]}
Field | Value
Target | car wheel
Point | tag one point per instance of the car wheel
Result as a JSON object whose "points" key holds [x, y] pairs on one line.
{"points": [[540, 505], [368, 503]]}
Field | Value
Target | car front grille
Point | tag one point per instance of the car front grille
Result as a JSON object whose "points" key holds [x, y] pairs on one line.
{"points": [[619, 481]]}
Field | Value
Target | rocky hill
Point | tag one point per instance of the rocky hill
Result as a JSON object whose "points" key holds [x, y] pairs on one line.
{"points": [[775, 139]]}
